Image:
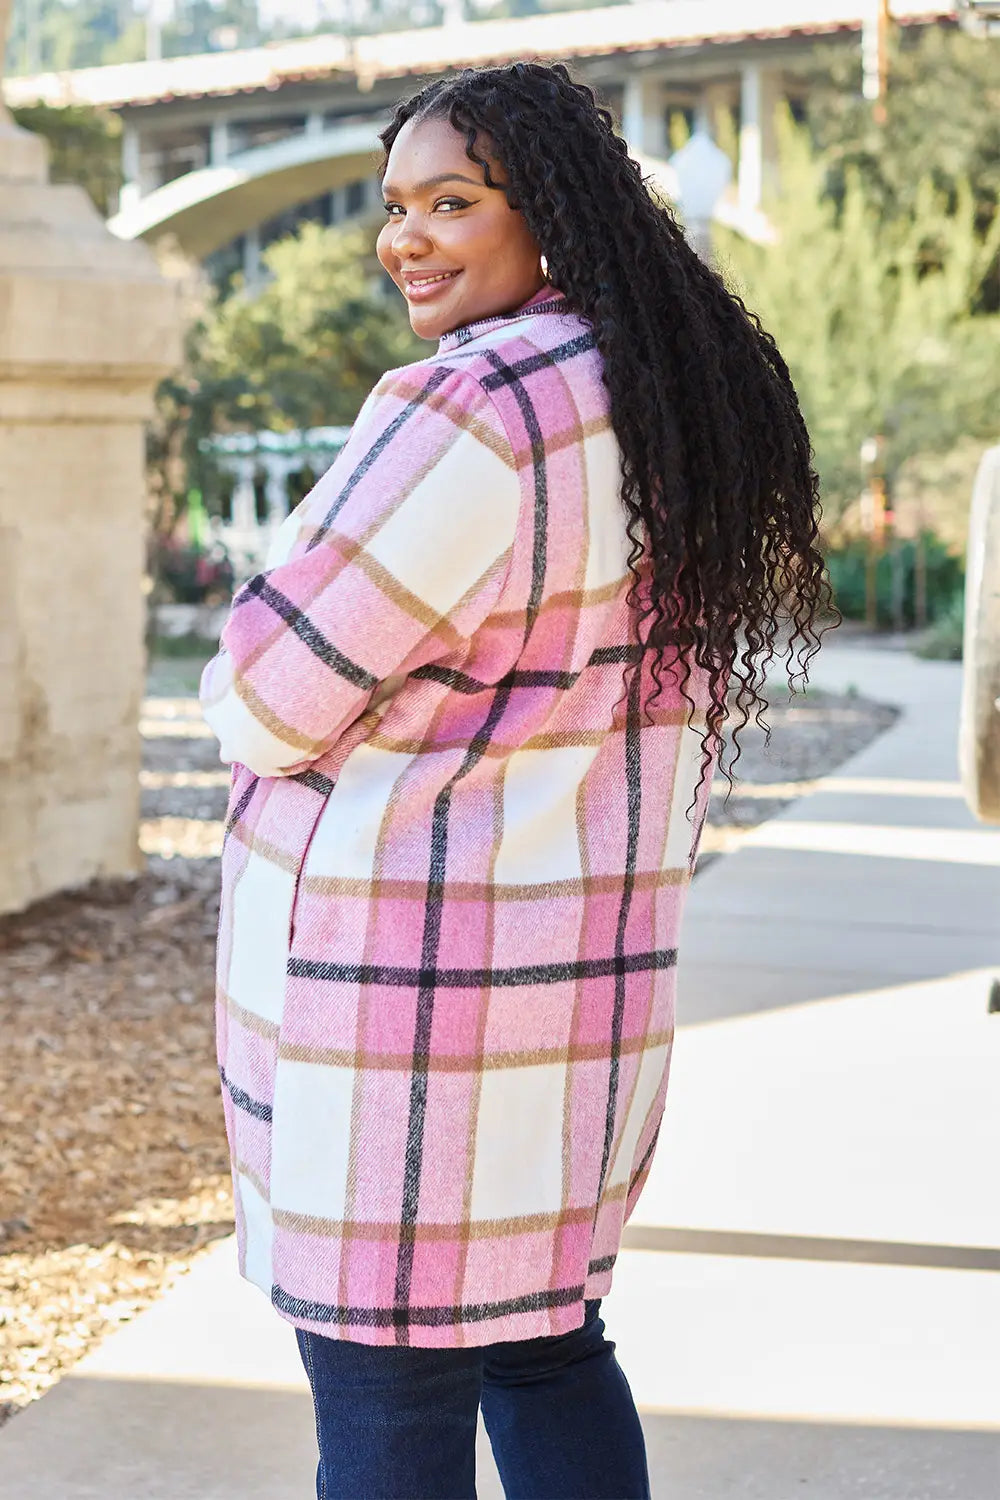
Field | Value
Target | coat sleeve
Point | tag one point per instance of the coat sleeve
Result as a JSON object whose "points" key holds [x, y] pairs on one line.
{"points": [[394, 558]]}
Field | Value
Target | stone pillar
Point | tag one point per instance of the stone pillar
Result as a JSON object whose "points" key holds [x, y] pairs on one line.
{"points": [[759, 95], [131, 188], [276, 469], [251, 256], [245, 496], [87, 329], [644, 123], [218, 142], [751, 173]]}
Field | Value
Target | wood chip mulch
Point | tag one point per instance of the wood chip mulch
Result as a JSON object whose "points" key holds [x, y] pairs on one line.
{"points": [[114, 1171]]}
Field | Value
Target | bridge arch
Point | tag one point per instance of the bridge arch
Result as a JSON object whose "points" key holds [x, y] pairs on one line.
{"points": [[208, 208]]}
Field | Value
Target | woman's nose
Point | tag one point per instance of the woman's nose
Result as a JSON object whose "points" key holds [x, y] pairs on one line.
{"points": [[411, 235]]}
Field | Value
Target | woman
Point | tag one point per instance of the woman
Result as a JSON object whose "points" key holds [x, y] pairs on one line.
{"points": [[473, 708]]}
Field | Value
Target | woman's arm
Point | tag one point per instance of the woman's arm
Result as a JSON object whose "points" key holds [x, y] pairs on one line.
{"points": [[397, 555]]}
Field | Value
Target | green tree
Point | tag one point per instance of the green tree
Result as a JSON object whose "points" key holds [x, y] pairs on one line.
{"points": [[210, 26], [84, 147], [302, 352], [942, 123], [875, 314], [308, 346], [58, 34]]}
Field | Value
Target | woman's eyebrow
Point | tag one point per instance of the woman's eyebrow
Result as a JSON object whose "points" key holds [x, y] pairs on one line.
{"points": [[429, 182]]}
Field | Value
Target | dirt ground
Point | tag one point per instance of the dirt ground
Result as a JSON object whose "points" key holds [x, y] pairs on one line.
{"points": [[113, 1163]]}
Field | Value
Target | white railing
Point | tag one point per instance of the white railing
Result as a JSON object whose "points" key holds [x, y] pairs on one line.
{"points": [[270, 459]]}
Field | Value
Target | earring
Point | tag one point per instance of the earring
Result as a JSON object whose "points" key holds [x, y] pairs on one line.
{"points": [[543, 263]]}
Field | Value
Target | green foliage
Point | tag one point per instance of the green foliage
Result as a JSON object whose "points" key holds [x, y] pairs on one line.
{"points": [[58, 34], [895, 579], [306, 350], [944, 641], [187, 648], [874, 314], [84, 147], [942, 124], [302, 352], [210, 25]]}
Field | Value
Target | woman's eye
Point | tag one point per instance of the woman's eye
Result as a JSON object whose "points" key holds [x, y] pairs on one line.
{"points": [[449, 205]]}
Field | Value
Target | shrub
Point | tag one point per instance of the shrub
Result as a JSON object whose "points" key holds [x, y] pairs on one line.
{"points": [[190, 575], [943, 641], [895, 579]]}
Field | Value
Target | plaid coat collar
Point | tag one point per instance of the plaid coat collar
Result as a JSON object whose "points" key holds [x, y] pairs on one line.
{"points": [[546, 300]]}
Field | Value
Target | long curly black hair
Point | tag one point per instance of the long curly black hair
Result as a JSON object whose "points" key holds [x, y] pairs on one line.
{"points": [[721, 500]]}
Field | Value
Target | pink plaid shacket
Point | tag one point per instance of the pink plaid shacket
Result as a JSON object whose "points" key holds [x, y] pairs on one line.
{"points": [[455, 863]]}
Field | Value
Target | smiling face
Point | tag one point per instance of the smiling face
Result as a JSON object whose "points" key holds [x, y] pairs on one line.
{"points": [[455, 248]]}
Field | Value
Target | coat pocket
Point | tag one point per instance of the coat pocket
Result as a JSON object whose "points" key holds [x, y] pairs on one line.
{"points": [[320, 787]]}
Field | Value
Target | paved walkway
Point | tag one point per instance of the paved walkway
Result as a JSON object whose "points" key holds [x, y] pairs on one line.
{"points": [[808, 1302]]}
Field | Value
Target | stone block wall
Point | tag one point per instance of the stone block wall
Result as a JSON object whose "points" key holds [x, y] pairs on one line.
{"points": [[71, 655], [87, 328]]}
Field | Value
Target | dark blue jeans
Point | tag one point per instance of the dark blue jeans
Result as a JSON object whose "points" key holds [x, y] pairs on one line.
{"points": [[399, 1423]]}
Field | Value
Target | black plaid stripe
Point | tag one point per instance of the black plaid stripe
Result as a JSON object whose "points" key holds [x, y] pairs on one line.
{"points": [[433, 1316], [315, 781], [514, 374], [299, 622], [372, 454], [461, 682], [245, 1101], [246, 797], [428, 977], [633, 772], [539, 551], [647, 1157]]}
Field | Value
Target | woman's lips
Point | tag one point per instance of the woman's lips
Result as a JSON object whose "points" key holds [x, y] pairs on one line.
{"points": [[425, 289]]}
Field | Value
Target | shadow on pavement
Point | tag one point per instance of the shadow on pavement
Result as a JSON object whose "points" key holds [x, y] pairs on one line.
{"points": [[159, 1440]]}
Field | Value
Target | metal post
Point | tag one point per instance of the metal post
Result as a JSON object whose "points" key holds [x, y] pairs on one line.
{"points": [[920, 572], [875, 57], [873, 521]]}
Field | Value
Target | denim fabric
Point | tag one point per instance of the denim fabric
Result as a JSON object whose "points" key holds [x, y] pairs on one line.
{"points": [[399, 1423]]}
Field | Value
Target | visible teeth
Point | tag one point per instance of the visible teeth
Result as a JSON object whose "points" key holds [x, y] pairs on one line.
{"points": [[430, 280]]}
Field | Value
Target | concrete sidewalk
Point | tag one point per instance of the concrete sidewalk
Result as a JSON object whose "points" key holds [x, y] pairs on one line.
{"points": [[807, 1303]]}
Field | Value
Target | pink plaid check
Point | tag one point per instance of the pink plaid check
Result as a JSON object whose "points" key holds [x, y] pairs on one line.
{"points": [[456, 860]]}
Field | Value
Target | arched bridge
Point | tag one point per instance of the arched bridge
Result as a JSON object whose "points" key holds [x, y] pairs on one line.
{"points": [[211, 206]]}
